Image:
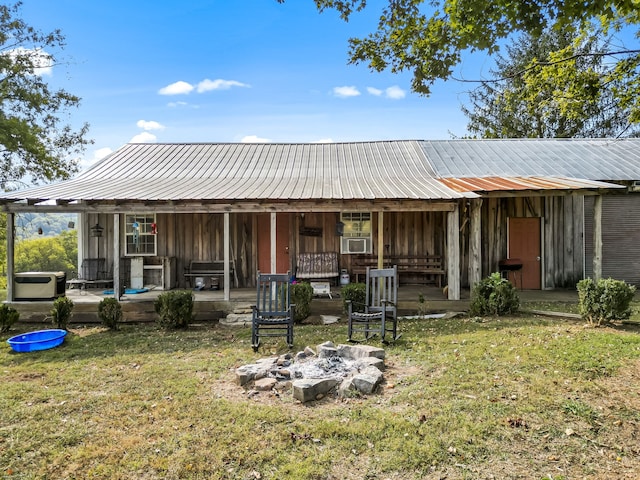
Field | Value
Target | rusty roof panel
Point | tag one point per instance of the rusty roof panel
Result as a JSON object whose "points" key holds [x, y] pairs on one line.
{"points": [[495, 184]]}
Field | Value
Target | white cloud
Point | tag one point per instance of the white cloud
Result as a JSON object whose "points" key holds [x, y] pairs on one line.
{"points": [[254, 139], [395, 93], [177, 88], [149, 125], [144, 137], [41, 60], [323, 140], [101, 153], [207, 85], [374, 91], [177, 104], [98, 154], [345, 92]]}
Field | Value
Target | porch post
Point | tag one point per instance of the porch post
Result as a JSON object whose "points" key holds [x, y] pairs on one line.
{"points": [[380, 239], [597, 238], [10, 255], [475, 242], [117, 288], [273, 242], [82, 240], [453, 253], [227, 276]]}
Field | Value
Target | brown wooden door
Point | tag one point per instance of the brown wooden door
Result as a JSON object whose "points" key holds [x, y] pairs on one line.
{"points": [[282, 243], [525, 244]]}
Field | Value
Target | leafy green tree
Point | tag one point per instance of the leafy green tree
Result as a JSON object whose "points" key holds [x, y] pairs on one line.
{"points": [[48, 254], [569, 99], [35, 142], [429, 37]]}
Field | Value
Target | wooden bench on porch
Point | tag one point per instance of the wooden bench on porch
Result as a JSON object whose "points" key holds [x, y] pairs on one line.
{"points": [[415, 268], [317, 266], [211, 270]]}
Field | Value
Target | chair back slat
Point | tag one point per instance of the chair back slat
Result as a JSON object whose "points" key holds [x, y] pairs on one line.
{"points": [[381, 286], [273, 293]]}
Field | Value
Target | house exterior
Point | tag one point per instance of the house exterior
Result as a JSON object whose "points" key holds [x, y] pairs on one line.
{"points": [[472, 203]]}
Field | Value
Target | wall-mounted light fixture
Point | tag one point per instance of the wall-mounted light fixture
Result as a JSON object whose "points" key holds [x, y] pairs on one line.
{"points": [[96, 230]]}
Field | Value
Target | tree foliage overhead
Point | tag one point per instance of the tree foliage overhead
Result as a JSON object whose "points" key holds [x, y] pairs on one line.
{"points": [[429, 37], [573, 98], [35, 141]]}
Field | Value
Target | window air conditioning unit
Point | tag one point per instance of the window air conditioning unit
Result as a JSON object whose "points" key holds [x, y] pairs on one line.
{"points": [[635, 186], [355, 245]]}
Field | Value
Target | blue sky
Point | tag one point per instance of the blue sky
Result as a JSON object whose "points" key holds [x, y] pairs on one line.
{"points": [[232, 71]]}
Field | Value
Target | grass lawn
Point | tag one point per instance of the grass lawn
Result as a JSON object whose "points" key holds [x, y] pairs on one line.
{"points": [[523, 397]]}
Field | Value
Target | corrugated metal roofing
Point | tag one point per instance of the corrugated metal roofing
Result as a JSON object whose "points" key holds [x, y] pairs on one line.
{"points": [[497, 184], [393, 170], [244, 172], [589, 159]]}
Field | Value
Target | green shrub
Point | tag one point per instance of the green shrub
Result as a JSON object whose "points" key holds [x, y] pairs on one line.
{"points": [[174, 309], [605, 301], [8, 316], [301, 296], [61, 312], [110, 313], [356, 293], [494, 295]]}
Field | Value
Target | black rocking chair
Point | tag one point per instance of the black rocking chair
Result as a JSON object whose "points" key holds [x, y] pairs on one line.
{"points": [[273, 311], [380, 315]]}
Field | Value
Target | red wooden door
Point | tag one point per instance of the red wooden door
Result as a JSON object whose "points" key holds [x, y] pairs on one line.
{"points": [[282, 243], [525, 244]]}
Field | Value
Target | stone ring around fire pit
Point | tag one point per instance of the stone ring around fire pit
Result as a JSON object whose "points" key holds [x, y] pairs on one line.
{"points": [[354, 369]]}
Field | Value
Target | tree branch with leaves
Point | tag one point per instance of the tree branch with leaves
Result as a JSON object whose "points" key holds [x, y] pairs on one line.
{"points": [[429, 37], [36, 142]]}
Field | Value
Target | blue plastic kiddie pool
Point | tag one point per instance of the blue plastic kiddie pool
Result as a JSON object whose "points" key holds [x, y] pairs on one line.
{"points": [[38, 340]]}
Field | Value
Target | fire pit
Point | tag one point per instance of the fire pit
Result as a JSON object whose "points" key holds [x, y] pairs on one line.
{"points": [[354, 369]]}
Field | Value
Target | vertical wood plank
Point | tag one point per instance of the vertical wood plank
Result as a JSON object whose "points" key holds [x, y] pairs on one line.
{"points": [[597, 238], [273, 242], [117, 288], [380, 239], [227, 257], [453, 253], [475, 242]]}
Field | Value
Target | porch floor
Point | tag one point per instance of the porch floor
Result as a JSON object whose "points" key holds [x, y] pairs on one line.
{"points": [[210, 304]]}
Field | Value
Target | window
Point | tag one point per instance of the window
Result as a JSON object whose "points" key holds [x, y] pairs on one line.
{"points": [[356, 236], [140, 234]]}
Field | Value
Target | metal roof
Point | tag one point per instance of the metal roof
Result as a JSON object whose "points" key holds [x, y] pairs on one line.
{"points": [[381, 170], [243, 171], [589, 159]]}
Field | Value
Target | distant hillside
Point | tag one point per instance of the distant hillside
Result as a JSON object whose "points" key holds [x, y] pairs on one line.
{"points": [[28, 224]]}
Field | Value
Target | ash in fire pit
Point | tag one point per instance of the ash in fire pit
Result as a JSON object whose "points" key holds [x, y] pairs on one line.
{"points": [[356, 369]]}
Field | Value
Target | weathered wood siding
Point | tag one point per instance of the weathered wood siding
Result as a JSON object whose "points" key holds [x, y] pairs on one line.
{"points": [[620, 237], [562, 227], [190, 237]]}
